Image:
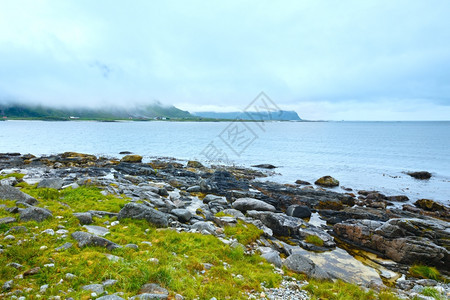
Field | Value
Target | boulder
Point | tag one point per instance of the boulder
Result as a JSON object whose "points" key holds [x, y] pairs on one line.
{"points": [[403, 240], [245, 204], [347, 213], [35, 213], [274, 258], [11, 193], [96, 288], [131, 158], [233, 212], [327, 181], [85, 218], [300, 264], [302, 182], [183, 215], [52, 183], [420, 175], [140, 211], [152, 288], [7, 220], [279, 223], [204, 226], [88, 239], [430, 205], [298, 211], [194, 164], [399, 198]]}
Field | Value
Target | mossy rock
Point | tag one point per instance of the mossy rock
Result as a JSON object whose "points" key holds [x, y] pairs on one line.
{"points": [[327, 181], [194, 164], [429, 205], [132, 158], [79, 155]]}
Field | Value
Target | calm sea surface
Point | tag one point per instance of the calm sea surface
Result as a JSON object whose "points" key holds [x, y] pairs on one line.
{"points": [[361, 155]]}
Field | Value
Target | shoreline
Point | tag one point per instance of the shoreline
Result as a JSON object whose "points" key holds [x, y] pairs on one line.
{"points": [[190, 194]]}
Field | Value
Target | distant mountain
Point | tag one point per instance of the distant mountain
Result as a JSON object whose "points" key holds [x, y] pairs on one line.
{"points": [[156, 110], [281, 115]]}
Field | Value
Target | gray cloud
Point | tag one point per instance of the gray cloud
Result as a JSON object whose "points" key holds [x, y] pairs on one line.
{"points": [[200, 55]]}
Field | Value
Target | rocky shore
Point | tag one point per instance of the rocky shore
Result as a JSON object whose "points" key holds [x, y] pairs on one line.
{"points": [[304, 228]]}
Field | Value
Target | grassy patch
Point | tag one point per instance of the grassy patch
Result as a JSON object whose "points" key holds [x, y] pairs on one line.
{"points": [[18, 176], [315, 240], [340, 290], [222, 214], [426, 272], [244, 233]]}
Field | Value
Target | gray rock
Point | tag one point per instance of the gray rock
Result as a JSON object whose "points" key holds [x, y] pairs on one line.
{"points": [[245, 204], [11, 181], [84, 218], [64, 247], [96, 230], [88, 239], [11, 193], [298, 211], [183, 215], [96, 288], [300, 264], [15, 265], [153, 291], [233, 212], [110, 297], [193, 189], [8, 285], [52, 183], [109, 282], [7, 220], [274, 258], [280, 223], [35, 213], [132, 246], [210, 197], [139, 211], [207, 226]]}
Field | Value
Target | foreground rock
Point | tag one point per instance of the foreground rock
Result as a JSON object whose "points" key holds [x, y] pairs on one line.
{"points": [[140, 211], [300, 264], [403, 240], [245, 204], [87, 239], [327, 181], [11, 193], [35, 214]]}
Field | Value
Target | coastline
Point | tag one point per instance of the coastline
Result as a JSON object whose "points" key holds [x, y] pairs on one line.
{"points": [[220, 196]]}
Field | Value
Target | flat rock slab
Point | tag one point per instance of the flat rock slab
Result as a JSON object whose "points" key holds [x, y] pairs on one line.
{"points": [[140, 211], [96, 230], [7, 220], [52, 183], [244, 204], [88, 239], [35, 214], [11, 193]]}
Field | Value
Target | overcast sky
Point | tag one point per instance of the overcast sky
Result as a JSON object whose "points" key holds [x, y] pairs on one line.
{"points": [[352, 60]]}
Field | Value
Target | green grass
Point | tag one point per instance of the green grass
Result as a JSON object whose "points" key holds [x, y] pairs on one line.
{"points": [[18, 176], [432, 292], [244, 233], [426, 272], [315, 240]]}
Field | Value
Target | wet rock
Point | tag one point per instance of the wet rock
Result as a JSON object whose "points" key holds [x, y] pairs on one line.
{"points": [[35, 214], [429, 205], [52, 183], [264, 166], [298, 211], [420, 175], [11, 193], [300, 264], [245, 204], [194, 164], [302, 182], [132, 158], [327, 181], [84, 218], [140, 211], [400, 198], [88, 239]]}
